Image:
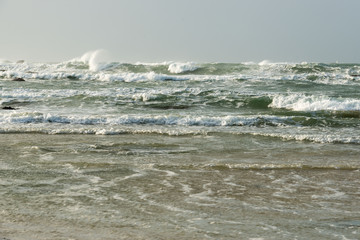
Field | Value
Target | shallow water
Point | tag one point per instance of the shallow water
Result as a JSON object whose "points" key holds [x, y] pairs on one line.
{"points": [[146, 186]]}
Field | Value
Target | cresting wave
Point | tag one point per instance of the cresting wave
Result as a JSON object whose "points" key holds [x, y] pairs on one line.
{"points": [[182, 67], [37, 118], [301, 134], [283, 119], [303, 102], [96, 60], [284, 127]]}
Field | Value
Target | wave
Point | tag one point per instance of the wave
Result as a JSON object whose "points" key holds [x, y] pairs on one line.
{"points": [[182, 67], [38, 117], [309, 103], [96, 65], [346, 136], [183, 119], [343, 136], [97, 60], [101, 76]]}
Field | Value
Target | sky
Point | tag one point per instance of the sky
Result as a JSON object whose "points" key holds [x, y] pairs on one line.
{"points": [[181, 30]]}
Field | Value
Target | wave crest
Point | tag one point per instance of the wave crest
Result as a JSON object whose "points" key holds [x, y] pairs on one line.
{"points": [[182, 67], [97, 60], [301, 102]]}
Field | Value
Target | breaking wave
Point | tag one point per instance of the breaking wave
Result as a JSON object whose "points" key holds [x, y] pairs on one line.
{"points": [[182, 67], [302, 102], [37, 117], [96, 60]]}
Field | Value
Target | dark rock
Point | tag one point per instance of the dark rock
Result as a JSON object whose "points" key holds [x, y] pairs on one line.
{"points": [[8, 108], [19, 80], [71, 77]]}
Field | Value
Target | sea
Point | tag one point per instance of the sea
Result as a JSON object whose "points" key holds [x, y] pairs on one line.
{"points": [[179, 150]]}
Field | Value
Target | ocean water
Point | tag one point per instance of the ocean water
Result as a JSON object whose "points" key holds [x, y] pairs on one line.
{"points": [[179, 150]]}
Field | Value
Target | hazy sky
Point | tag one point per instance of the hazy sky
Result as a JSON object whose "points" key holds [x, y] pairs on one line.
{"points": [[182, 30]]}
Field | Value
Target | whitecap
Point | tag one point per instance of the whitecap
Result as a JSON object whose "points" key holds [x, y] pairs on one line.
{"points": [[302, 102], [97, 60], [182, 67]]}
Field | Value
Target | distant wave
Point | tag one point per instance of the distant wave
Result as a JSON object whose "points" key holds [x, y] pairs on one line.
{"points": [[97, 60], [182, 67], [95, 65]]}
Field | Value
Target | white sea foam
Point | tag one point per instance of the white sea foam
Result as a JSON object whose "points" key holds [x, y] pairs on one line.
{"points": [[264, 62], [302, 102], [60, 71], [154, 63], [97, 60], [187, 120], [182, 67], [321, 137], [347, 136]]}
